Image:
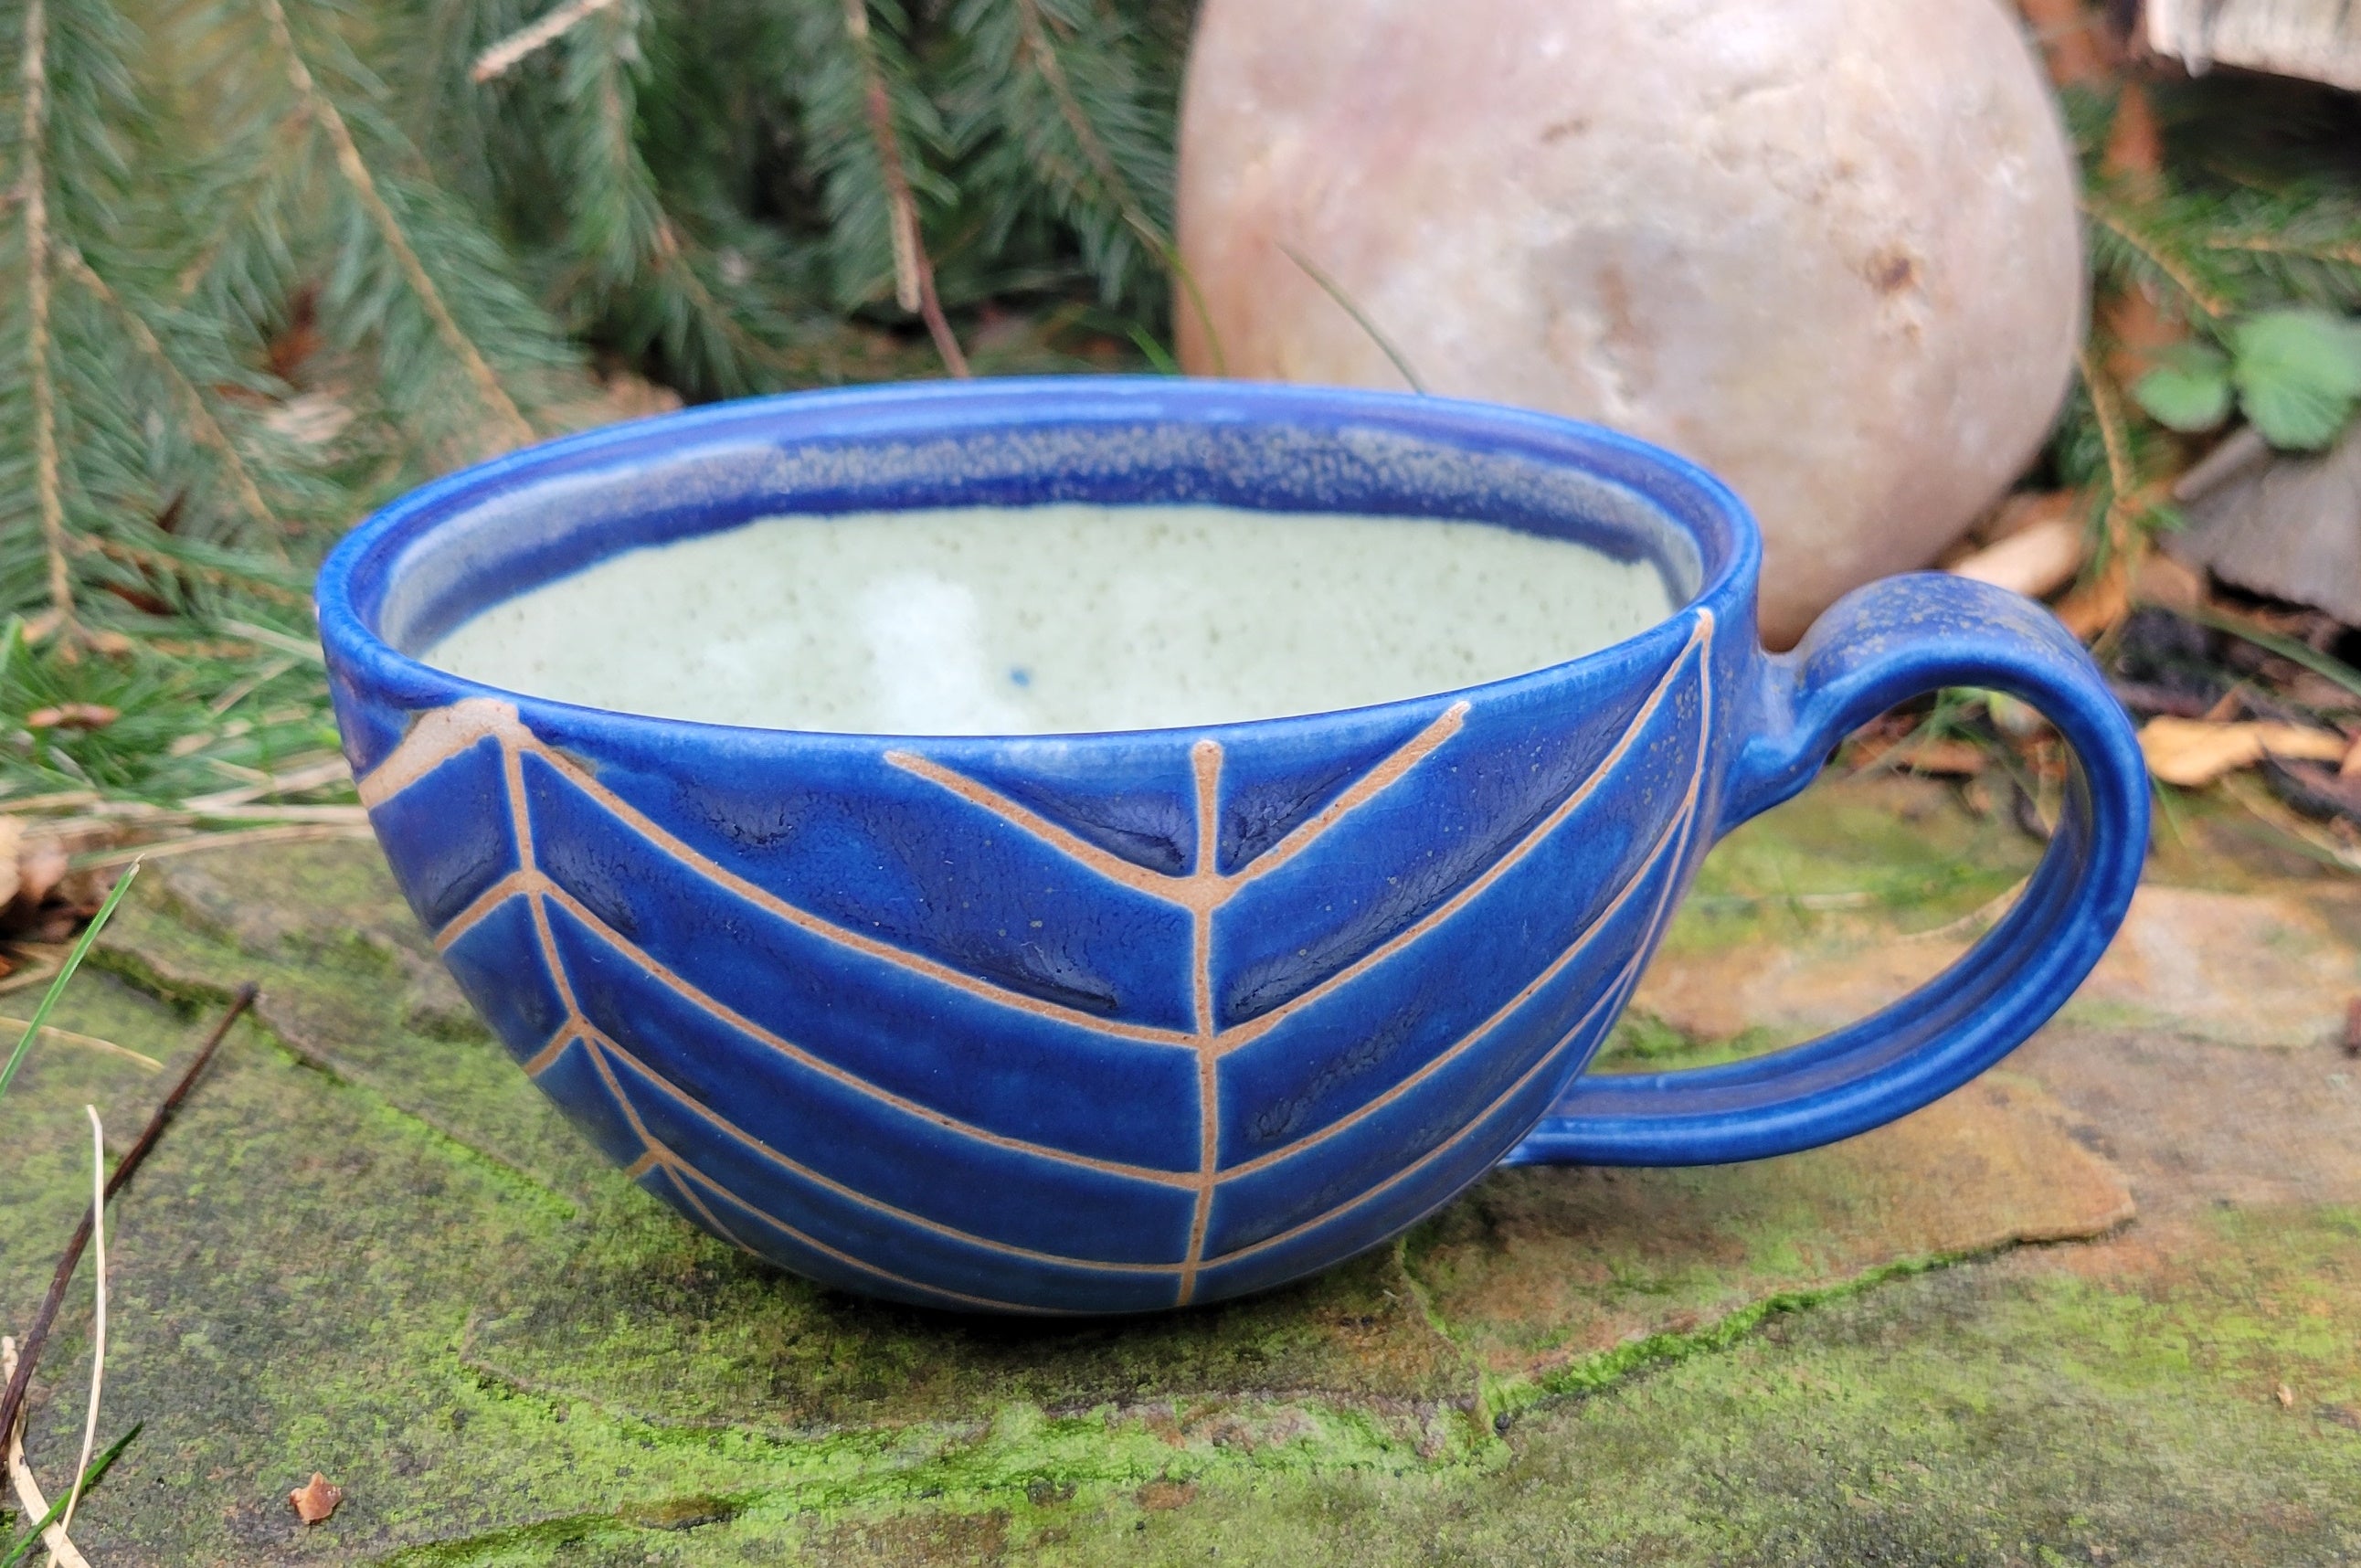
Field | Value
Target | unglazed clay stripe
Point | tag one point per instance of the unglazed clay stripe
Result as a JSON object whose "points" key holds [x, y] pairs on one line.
{"points": [[430, 743], [1253, 1029], [1676, 829], [1547, 1057], [655, 1152], [598, 1043], [676, 1168], [1362, 791], [1624, 981], [723, 1014]]}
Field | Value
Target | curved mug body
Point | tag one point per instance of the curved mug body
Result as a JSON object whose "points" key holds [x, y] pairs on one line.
{"points": [[1109, 1023]]}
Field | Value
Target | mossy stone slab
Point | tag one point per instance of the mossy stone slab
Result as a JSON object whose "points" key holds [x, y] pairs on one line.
{"points": [[371, 1248]]}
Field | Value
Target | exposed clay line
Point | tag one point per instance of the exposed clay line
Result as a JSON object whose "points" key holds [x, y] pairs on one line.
{"points": [[433, 740], [1244, 1034], [525, 880], [1113, 867], [1209, 1130], [563, 1036], [1366, 788], [1617, 994], [1206, 770], [724, 1014], [600, 1044], [444, 733], [1673, 838], [683, 1175], [772, 903], [1614, 993]]}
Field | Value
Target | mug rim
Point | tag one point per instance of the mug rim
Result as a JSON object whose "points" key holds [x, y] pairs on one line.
{"points": [[355, 578]]}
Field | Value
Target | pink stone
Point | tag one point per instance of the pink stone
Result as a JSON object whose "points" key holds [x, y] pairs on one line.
{"points": [[1827, 248]]}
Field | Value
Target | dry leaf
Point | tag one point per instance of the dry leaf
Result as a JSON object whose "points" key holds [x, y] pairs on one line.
{"points": [[315, 1499], [2192, 752], [12, 839], [72, 716], [2035, 561], [41, 866]]}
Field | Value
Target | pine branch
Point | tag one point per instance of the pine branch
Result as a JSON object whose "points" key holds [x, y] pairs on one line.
{"points": [[355, 171], [33, 191], [914, 274], [2145, 248], [201, 420]]}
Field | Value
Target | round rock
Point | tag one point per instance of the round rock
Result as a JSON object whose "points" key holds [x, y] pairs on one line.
{"points": [[1829, 248]]}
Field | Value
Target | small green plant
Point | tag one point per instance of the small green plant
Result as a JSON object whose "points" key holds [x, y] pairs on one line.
{"points": [[2294, 373]]}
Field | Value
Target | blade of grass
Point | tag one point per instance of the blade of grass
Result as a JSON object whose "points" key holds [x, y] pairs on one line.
{"points": [[83, 1483], [65, 973], [2326, 665], [1335, 292]]}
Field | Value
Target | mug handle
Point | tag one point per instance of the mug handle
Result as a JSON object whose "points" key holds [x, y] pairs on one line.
{"points": [[1876, 647]]}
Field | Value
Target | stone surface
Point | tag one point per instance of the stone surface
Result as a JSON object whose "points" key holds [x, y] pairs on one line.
{"points": [[368, 1249], [1832, 255], [2237, 968]]}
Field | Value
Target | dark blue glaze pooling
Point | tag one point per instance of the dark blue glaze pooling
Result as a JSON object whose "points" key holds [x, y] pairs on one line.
{"points": [[1109, 1023]]}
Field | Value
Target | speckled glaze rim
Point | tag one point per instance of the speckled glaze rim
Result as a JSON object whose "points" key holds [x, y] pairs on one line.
{"points": [[358, 577]]}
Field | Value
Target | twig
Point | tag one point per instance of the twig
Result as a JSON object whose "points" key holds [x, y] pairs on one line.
{"points": [[33, 186], [914, 275], [1335, 292], [2230, 458], [533, 36], [98, 1309], [494, 396], [11, 1402], [208, 430]]}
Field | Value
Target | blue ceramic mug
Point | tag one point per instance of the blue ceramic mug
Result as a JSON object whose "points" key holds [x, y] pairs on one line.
{"points": [[1277, 988]]}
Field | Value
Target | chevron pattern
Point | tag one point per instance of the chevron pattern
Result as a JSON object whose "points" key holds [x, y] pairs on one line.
{"points": [[831, 1097]]}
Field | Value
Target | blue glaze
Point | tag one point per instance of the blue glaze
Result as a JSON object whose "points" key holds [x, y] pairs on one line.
{"points": [[1110, 1023]]}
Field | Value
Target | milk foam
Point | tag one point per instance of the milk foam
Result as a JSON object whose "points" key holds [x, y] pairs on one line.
{"points": [[1052, 619]]}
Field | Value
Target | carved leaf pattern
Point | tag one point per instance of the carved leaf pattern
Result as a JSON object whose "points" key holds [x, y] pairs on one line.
{"points": [[1201, 889]]}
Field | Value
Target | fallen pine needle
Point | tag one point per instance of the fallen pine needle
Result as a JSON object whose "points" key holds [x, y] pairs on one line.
{"points": [[63, 1552], [90, 1042], [290, 833], [12, 1401], [98, 1309]]}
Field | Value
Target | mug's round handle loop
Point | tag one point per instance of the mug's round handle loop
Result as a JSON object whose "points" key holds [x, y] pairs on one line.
{"points": [[1878, 646]]}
